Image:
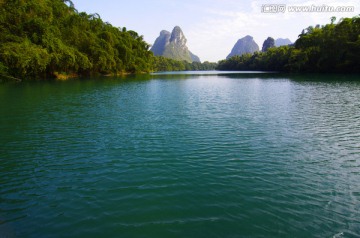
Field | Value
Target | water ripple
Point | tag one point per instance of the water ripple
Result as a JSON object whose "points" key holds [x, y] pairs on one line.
{"points": [[202, 157]]}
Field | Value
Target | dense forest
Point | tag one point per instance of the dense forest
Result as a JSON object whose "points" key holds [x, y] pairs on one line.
{"points": [[42, 38], [50, 38], [330, 48], [166, 64]]}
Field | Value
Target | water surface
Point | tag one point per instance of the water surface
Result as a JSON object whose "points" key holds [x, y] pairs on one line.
{"points": [[181, 155]]}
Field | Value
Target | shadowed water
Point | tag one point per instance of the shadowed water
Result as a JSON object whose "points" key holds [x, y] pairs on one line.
{"points": [[181, 155]]}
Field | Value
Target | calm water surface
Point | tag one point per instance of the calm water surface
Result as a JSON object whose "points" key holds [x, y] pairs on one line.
{"points": [[181, 155]]}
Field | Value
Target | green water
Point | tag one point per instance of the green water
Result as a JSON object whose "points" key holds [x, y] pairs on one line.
{"points": [[184, 155]]}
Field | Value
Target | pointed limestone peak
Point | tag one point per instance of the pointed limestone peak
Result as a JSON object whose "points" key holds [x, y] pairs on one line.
{"points": [[178, 37], [246, 40], [164, 33], [268, 43], [282, 41], [161, 42], [173, 45], [243, 46], [248, 37]]}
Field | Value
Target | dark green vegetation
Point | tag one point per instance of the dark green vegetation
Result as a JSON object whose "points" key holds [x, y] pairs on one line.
{"points": [[50, 38], [42, 38], [165, 64], [329, 48]]}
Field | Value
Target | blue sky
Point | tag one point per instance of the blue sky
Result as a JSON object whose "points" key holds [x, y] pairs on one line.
{"points": [[212, 27]]}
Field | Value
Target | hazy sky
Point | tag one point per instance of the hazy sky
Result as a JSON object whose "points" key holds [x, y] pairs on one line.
{"points": [[212, 27]]}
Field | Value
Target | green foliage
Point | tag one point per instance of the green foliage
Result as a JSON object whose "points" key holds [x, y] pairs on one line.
{"points": [[165, 64], [25, 58], [42, 37], [330, 48], [3, 69]]}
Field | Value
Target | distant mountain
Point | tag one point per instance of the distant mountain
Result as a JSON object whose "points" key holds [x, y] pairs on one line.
{"points": [[268, 43], [173, 45], [281, 41], [161, 42], [194, 58], [243, 46]]}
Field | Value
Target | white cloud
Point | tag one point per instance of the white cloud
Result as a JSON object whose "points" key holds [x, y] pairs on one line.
{"points": [[215, 35], [212, 27]]}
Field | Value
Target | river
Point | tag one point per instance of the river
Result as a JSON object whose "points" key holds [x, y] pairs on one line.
{"points": [[186, 154]]}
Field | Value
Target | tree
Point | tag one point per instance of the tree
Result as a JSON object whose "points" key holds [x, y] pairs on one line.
{"points": [[332, 19], [329, 48], [40, 38]]}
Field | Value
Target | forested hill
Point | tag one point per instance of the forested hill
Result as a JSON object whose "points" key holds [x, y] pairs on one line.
{"points": [[45, 38], [334, 47]]}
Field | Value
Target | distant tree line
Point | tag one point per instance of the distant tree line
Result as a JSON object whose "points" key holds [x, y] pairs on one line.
{"points": [[330, 48], [48, 38], [166, 64]]}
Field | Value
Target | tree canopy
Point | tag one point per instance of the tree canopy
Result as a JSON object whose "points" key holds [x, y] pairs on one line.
{"points": [[40, 38], [47, 38], [329, 48]]}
